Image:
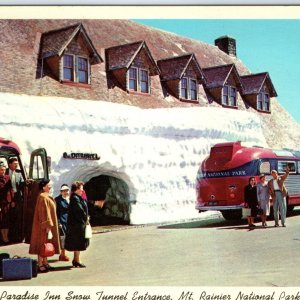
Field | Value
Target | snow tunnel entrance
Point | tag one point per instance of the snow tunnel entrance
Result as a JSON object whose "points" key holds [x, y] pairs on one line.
{"points": [[115, 192]]}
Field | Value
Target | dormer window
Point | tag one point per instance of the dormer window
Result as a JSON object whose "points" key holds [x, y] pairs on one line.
{"points": [[181, 77], [263, 102], [258, 91], [68, 54], [130, 67], [188, 90], [138, 80], [229, 96], [75, 69]]}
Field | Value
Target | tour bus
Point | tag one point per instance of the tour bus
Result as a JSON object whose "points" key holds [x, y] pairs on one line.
{"points": [[38, 170], [223, 175]]}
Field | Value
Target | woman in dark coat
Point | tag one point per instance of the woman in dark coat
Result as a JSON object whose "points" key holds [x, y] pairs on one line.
{"points": [[77, 219], [250, 196]]}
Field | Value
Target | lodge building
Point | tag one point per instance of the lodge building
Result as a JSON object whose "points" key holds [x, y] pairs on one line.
{"points": [[71, 61], [124, 62]]}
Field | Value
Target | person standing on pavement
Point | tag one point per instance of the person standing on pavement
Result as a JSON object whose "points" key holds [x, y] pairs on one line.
{"points": [[250, 196], [62, 207], [6, 203], [44, 222], [278, 193], [263, 198], [16, 212], [77, 220]]}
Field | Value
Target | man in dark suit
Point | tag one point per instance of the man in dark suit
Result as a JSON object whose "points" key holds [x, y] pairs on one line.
{"points": [[16, 214]]}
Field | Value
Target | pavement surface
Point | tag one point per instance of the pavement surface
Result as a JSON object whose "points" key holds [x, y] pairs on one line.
{"points": [[208, 252]]}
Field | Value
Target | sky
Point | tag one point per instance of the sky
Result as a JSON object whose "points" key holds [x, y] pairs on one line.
{"points": [[262, 45]]}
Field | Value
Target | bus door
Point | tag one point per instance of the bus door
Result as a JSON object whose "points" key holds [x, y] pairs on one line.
{"points": [[38, 170]]}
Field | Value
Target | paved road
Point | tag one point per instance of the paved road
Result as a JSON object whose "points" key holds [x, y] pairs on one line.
{"points": [[209, 252]]}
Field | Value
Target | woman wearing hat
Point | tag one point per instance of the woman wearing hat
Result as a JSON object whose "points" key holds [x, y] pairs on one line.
{"points": [[263, 198], [44, 222], [62, 207]]}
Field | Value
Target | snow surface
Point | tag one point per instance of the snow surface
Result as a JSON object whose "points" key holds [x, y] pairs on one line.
{"points": [[157, 152]]}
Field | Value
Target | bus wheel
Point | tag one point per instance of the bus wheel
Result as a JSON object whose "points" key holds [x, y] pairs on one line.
{"points": [[289, 209], [232, 214]]}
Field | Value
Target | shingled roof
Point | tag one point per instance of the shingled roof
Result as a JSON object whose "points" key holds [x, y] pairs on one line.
{"points": [[218, 75], [253, 83], [56, 41], [175, 67], [122, 56]]}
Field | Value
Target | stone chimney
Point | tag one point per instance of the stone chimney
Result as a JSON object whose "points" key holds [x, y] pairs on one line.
{"points": [[226, 44]]}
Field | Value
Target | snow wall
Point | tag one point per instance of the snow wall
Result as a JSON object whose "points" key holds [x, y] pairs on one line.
{"points": [[156, 152]]}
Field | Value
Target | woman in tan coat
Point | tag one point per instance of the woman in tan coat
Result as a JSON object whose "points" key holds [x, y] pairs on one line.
{"points": [[44, 221]]}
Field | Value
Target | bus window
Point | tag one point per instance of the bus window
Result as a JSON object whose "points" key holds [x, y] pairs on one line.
{"points": [[265, 168], [38, 167], [38, 170], [282, 165], [298, 166]]}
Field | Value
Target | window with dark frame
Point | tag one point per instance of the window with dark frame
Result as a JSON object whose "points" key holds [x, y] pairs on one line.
{"points": [[68, 67], [75, 72], [232, 96], [133, 79], [82, 70], [188, 88], [229, 96], [144, 81], [267, 102], [138, 80], [259, 101], [263, 101], [225, 95], [193, 89], [184, 88]]}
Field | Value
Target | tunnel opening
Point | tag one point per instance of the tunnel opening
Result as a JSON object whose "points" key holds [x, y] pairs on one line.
{"points": [[115, 192]]}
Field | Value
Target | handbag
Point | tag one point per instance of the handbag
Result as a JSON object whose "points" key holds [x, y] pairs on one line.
{"points": [[88, 231], [246, 211], [47, 250]]}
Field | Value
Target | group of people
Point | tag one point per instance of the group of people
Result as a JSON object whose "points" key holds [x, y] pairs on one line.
{"points": [[62, 221], [258, 197], [11, 182]]}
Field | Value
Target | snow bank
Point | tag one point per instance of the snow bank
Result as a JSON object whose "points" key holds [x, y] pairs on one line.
{"points": [[156, 152]]}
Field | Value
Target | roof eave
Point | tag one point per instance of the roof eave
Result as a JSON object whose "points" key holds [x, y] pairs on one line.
{"points": [[81, 29], [143, 43]]}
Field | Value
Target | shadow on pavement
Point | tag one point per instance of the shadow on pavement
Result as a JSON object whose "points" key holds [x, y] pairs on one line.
{"points": [[222, 224], [207, 223], [62, 268]]}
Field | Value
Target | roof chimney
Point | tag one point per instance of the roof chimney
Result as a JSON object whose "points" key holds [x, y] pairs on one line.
{"points": [[226, 44]]}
